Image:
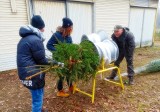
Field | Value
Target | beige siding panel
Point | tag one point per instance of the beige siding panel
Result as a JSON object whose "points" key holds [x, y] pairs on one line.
{"points": [[153, 3], [136, 24], [9, 31], [111, 12], [82, 0], [81, 15], [148, 27], [144, 3], [142, 25], [52, 13]]}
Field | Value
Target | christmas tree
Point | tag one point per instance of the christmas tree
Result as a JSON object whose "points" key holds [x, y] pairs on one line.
{"points": [[153, 66], [80, 61]]}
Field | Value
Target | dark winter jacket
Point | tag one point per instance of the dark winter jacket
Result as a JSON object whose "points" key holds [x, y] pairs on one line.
{"points": [[125, 42], [30, 52], [57, 36]]}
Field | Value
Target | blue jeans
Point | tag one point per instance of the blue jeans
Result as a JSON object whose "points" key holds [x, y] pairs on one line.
{"points": [[37, 99]]}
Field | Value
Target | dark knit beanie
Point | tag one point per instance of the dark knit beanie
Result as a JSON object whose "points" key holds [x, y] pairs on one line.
{"points": [[67, 22], [37, 22]]}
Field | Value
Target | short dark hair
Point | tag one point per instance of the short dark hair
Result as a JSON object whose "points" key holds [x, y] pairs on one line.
{"points": [[117, 27]]}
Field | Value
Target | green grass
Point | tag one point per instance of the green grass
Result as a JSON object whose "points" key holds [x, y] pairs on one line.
{"points": [[157, 36]]}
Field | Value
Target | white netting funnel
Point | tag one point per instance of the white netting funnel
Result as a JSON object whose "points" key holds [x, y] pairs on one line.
{"points": [[95, 37], [105, 47]]}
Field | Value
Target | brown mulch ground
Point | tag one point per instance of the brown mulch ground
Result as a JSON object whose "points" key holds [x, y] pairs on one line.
{"points": [[144, 96]]}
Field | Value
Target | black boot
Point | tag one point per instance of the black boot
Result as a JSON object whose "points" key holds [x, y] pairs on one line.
{"points": [[131, 82], [112, 76]]}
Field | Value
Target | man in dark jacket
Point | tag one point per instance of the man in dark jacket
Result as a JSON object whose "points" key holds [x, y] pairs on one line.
{"points": [[31, 52], [126, 44]]}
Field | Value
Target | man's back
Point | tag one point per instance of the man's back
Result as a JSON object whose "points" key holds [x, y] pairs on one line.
{"points": [[30, 52]]}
